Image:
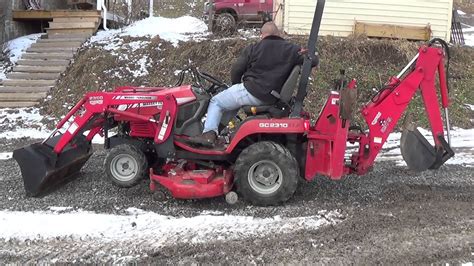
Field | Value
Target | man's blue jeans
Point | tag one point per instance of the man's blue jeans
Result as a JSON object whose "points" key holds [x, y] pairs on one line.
{"points": [[225, 105]]}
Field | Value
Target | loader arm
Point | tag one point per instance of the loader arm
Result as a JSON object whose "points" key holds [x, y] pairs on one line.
{"points": [[58, 158], [386, 108], [95, 106]]}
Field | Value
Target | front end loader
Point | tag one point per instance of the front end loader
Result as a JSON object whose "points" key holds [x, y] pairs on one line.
{"points": [[262, 157]]}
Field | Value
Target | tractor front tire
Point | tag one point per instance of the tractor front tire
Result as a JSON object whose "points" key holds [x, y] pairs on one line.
{"points": [[266, 173], [126, 165]]}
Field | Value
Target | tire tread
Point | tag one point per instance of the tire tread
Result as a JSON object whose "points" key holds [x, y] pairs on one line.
{"points": [[249, 156], [137, 154]]}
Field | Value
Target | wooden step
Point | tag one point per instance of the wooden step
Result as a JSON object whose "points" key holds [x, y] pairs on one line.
{"points": [[48, 14], [31, 62], [48, 56], [42, 76], [89, 31], [28, 83], [63, 35], [24, 89], [58, 40], [17, 104], [22, 97], [56, 44], [77, 19], [72, 25], [51, 49], [75, 13], [39, 69]]}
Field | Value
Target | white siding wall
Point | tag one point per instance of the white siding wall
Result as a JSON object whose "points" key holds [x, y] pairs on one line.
{"points": [[339, 15]]}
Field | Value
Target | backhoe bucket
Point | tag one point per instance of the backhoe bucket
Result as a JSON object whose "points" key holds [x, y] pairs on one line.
{"points": [[417, 152], [43, 170]]}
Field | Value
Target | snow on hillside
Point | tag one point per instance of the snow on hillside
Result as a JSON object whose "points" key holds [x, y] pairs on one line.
{"points": [[468, 36], [173, 30], [18, 123], [14, 49]]}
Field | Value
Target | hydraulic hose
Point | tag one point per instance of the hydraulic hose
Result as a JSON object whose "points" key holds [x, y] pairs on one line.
{"points": [[445, 46]]}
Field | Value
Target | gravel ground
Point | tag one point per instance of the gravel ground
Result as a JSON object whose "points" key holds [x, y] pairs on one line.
{"points": [[390, 215]]}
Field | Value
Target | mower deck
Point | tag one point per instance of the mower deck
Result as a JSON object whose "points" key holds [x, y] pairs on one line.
{"points": [[192, 184]]}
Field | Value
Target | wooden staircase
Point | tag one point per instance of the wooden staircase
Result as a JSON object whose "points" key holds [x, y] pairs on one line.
{"points": [[41, 66]]}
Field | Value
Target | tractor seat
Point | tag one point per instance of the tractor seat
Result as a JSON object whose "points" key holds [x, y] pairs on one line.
{"points": [[282, 107]]}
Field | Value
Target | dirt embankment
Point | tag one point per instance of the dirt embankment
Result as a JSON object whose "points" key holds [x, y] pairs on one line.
{"points": [[153, 63]]}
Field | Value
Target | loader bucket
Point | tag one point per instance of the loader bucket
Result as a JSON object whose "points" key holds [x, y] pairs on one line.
{"points": [[43, 170], [417, 152]]}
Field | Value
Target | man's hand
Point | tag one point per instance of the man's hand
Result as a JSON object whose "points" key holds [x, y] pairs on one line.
{"points": [[303, 51]]}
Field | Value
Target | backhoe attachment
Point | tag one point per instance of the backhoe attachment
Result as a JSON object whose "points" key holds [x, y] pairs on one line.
{"points": [[386, 108]]}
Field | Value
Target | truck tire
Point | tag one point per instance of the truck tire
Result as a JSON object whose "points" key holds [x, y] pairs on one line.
{"points": [[266, 173], [126, 165], [225, 24], [266, 17]]}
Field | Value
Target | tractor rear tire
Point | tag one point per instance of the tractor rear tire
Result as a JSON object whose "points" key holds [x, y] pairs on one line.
{"points": [[266, 173], [126, 165]]}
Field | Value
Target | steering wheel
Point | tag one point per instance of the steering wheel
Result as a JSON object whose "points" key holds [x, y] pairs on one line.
{"points": [[212, 79]]}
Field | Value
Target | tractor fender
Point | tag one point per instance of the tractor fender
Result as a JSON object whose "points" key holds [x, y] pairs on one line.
{"points": [[268, 126], [114, 141]]}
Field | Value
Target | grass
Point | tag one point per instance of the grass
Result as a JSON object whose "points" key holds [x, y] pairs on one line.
{"points": [[174, 9]]}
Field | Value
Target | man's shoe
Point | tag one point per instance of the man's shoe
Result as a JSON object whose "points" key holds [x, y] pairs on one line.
{"points": [[207, 139]]}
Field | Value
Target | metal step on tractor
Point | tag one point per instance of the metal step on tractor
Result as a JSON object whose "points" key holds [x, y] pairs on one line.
{"points": [[263, 157]]}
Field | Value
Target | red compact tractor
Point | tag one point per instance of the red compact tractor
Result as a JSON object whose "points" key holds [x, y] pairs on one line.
{"points": [[261, 158]]}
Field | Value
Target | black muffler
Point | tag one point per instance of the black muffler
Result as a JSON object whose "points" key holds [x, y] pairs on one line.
{"points": [[43, 170]]}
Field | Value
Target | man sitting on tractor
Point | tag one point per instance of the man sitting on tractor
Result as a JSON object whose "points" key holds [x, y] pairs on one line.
{"points": [[259, 72]]}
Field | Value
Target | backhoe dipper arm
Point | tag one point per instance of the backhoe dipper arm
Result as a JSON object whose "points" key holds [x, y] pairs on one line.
{"points": [[386, 108], [89, 114]]}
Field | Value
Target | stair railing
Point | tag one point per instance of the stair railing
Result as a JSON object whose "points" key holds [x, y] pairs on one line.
{"points": [[102, 7]]}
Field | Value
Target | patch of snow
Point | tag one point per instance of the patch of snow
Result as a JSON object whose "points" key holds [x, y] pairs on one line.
{"points": [[142, 225], [142, 71], [173, 30], [137, 45], [470, 106], [207, 212], [16, 47], [460, 12], [3, 70], [22, 122], [461, 142], [60, 209], [468, 36], [6, 155]]}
